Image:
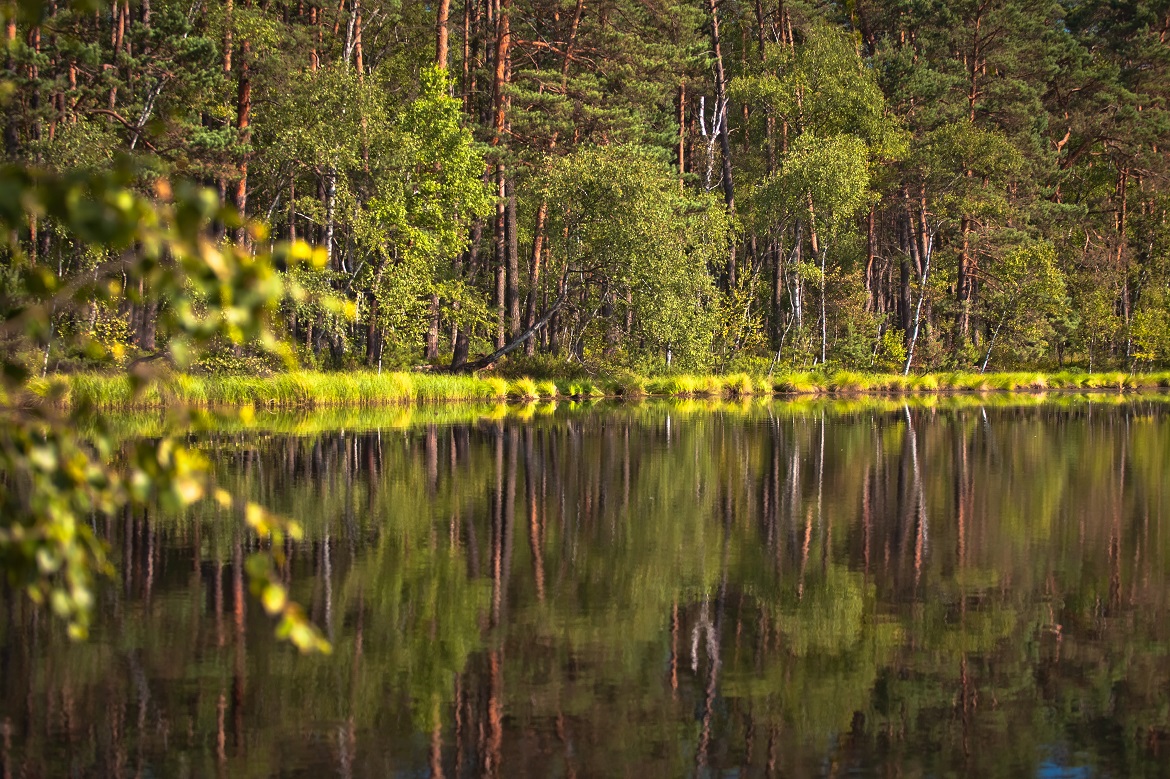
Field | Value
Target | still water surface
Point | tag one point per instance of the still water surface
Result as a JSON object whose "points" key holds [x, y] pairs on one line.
{"points": [[947, 588]]}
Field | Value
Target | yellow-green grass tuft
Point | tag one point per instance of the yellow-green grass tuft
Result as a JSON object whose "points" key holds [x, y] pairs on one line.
{"points": [[497, 388], [1109, 380], [739, 385], [630, 386], [799, 383], [523, 389], [584, 388], [850, 381], [674, 386], [709, 386], [925, 383]]}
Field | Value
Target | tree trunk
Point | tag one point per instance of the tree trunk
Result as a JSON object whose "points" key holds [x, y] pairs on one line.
{"points": [[330, 208], [292, 209], [512, 295], [924, 254], [682, 134], [818, 253], [501, 251], [442, 14], [432, 343], [534, 274], [227, 36], [503, 43], [244, 136], [775, 259], [462, 345], [314, 53], [870, 240], [358, 59], [904, 294], [796, 288], [1122, 257], [724, 140], [372, 331], [963, 285]]}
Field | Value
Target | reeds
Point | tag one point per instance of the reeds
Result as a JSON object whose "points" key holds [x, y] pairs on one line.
{"points": [[285, 390], [306, 389]]}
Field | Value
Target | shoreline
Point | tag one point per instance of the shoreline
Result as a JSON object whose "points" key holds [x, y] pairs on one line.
{"points": [[314, 390]]}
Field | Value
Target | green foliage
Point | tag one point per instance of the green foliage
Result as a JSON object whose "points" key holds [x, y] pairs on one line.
{"points": [[1025, 291], [54, 479], [621, 230], [1150, 329]]}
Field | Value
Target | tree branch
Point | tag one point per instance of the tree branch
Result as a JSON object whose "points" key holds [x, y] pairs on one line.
{"points": [[516, 343]]}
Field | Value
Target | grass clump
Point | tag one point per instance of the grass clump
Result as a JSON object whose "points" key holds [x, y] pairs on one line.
{"points": [[1066, 380], [1004, 382], [850, 381], [739, 385], [972, 382], [547, 389], [924, 383], [438, 387], [709, 386], [896, 382], [102, 392], [1108, 380], [631, 386], [799, 383], [496, 388], [523, 389], [675, 386], [584, 388]]}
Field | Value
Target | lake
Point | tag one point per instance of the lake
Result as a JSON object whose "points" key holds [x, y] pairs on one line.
{"points": [[954, 586]]}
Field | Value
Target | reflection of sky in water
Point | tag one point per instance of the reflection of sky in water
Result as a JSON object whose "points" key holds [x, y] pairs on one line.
{"points": [[1054, 768]]}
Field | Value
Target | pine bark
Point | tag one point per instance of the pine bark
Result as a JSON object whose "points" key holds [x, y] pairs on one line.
{"points": [[441, 33]]}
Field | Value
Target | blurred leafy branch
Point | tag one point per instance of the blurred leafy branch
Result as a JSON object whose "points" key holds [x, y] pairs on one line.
{"points": [[149, 239]]}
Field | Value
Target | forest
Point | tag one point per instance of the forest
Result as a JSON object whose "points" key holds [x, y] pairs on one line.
{"points": [[646, 185]]}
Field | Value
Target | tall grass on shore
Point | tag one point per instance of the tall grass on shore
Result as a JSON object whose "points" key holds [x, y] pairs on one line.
{"points": [[304, 389], [284, 390]]}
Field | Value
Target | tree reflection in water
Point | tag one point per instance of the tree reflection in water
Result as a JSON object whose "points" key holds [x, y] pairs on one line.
{"points": [[665, 589]]}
